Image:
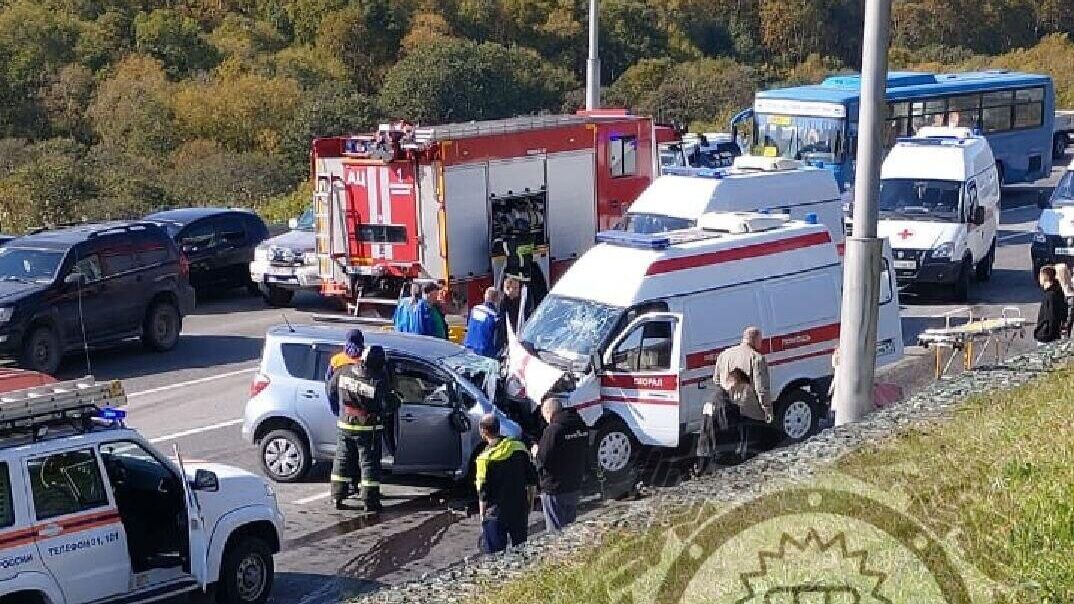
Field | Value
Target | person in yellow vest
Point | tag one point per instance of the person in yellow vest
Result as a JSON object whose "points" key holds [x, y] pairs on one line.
{"points": [[506, 485]]}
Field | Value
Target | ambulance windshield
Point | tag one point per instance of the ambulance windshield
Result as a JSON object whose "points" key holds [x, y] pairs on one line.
{"points": [[567, 331], [1064, 191], [911, 199]]}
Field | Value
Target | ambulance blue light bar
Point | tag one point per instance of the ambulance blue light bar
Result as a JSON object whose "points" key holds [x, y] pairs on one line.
{"points": [[695, 172], [642, 241], [112, 414]]}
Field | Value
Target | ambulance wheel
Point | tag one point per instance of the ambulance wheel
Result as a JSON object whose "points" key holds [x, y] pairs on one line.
{"points": [[285, 456], [984, 267], [797, 415], [277, 296], [615, 450], [961, 290], [246, 572]]}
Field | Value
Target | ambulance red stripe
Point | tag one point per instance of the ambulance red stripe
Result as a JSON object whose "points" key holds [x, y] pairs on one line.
{"points": [[638, 400], [780, 343], [802, 357], [74, 524], [641, 382], [756, 250]]}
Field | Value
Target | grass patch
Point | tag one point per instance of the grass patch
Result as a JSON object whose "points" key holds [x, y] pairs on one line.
{"points": [[994, 485]]}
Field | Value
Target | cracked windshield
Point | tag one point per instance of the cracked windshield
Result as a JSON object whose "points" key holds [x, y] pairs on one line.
{"points": [[566, 332]]}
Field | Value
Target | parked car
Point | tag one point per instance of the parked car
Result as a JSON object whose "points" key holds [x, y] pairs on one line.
{"points": [[288, 415], [287, 263], [219, 243], [90, 285]]}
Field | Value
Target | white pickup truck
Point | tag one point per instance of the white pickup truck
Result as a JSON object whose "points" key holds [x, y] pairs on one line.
{"points": [[90, 512], [1064, 133]]}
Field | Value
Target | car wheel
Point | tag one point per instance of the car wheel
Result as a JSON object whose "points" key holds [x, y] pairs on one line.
{"points": [[246, 572], [161, 328], [277, 296], [1059, 146], [984, 267], [285, 456], [615, 450], [961, 290], [41, 351], [797, 415]]}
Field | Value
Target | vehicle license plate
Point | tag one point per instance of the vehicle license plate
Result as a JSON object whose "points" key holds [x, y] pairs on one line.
{"points": [[908, 264]]}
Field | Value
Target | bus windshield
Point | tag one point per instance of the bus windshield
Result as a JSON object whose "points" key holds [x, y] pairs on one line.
{"points": [[1064, 191], [911, 199], [800, 137]]}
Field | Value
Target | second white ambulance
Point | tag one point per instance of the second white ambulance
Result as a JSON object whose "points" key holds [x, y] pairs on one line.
{"points": [[632, 330], [939, 208]]}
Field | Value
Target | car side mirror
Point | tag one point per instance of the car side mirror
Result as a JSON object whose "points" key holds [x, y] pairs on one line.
{"points": [[204, 480], [75, 279], [292, 224], [978, 215]]}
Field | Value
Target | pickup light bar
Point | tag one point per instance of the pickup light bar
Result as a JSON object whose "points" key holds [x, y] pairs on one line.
{"points": [[38, 406], [643, 241]]}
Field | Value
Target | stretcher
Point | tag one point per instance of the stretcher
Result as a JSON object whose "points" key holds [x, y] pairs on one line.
{"points": [[975, 335]]}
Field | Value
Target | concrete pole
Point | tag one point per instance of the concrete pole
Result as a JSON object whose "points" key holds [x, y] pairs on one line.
{"points": [[592, 81], [861, 273]]}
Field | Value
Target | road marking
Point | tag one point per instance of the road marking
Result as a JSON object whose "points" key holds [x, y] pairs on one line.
{"points": [[192, 431], [191, 382], [312, 498], [1014, 236]]}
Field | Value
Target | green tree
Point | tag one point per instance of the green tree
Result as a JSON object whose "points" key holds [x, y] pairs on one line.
{"points": [[306, 17], [65, 99], [365, 36], [50, 188], [329, 110], [125, 185], [706, 92], [175, 40], [203, 172], [310, 66], [630, 31], [132, 110], [459, 80], [246, 39], [104, 40], [637, 88]]}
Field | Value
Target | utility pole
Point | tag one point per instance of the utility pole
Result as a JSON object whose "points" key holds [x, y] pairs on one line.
{"points": [[592, 65], [861, 272]]}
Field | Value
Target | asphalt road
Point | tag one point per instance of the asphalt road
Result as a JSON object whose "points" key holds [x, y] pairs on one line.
{"points": [[194, 395]]}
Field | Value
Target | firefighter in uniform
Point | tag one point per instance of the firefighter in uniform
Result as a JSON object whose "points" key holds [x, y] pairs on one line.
{"points": [[356, 387]]}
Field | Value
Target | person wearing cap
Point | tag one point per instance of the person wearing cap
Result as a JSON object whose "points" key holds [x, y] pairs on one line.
{"points": [[506, 482], [359, 383]]}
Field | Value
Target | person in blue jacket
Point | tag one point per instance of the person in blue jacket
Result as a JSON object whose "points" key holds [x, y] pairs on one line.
{"points": [[413, 314], [483, 328]]}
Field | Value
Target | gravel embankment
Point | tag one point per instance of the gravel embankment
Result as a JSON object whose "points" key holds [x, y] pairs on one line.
{"points": [[459, 583]]}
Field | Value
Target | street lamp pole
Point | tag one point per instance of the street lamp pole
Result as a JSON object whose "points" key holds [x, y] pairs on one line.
{"points": [[592, 82], [864, 251]]}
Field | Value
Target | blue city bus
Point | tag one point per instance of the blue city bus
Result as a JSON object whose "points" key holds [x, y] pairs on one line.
{"points": [[819, 123]]}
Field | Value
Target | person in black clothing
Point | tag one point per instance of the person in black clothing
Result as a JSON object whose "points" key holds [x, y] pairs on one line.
{"points": [[505, 483], [561, 459], [1052, 315]]}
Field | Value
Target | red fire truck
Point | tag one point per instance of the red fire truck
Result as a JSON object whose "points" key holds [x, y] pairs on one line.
{"points": [[464, 204]]}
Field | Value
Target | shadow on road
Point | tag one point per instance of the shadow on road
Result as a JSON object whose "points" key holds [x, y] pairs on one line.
{"points": [[308, 588], [239, 302], [133, 360]]}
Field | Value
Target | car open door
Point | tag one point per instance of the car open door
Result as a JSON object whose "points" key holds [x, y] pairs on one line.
{"points": [[889, 344], [198, 538], [639, 378]]}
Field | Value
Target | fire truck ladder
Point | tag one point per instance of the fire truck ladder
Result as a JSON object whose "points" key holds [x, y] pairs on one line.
{"points": [[26, 410], [331, 238]]}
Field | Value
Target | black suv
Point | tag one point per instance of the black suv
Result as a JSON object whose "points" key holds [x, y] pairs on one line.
{"points": [[218, 242], [90, 285]]}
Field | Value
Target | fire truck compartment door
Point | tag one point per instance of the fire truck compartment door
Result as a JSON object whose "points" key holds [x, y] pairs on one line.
{"points": [[514, 176], [466, 189], [572, 205], [639, 380], [383, 219]]}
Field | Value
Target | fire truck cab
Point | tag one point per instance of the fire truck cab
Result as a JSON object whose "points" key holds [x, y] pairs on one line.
{"points": [[465, 204]]}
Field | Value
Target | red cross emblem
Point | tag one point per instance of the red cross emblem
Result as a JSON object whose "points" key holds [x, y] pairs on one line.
{"points": [[905, 234]]}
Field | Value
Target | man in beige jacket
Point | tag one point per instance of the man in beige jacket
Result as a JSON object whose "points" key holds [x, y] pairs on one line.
{"points": [[754, 399]]}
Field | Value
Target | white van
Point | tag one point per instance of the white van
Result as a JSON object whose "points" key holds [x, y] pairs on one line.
{"points": [[939, 208], [1053, 241], [771, 184], [633, 328]]}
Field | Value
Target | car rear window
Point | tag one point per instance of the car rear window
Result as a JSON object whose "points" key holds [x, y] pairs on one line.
{"points": [[296, 360], [7, 508]]}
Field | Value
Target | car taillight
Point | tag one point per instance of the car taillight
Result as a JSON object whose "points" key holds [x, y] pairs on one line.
{"points": [[184, 266], [261, 381]]}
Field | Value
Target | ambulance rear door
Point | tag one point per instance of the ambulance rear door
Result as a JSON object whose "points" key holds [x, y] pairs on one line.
{"points": [[639, 379], [889, 344]]}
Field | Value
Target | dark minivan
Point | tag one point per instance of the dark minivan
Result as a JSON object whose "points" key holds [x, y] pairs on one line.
{"points": [[219, 243], [88, 286]]}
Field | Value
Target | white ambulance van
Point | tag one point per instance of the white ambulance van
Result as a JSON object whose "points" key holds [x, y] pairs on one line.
{"points": [[939, 208], [754, 183], [1053, 241], [633, 328]]}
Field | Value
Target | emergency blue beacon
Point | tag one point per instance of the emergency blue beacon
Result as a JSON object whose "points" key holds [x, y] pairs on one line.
{"points": [[811, 218]]}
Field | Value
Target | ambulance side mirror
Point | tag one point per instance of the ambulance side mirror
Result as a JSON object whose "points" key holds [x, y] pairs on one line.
{"points": [[204, 480]]}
